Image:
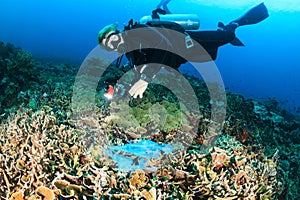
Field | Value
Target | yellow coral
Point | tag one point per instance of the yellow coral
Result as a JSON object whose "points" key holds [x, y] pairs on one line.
{"points": [[149, 195]]}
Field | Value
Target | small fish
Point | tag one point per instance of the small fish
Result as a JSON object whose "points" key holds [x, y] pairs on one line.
{"points": [[109, 92]]}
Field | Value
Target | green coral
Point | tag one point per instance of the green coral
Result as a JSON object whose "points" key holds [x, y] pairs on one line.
{"points": [[33, 104], [165, 116]]}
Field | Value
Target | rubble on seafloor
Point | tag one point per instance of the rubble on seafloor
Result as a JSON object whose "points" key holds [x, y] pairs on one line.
{"points": [[46, 154]]}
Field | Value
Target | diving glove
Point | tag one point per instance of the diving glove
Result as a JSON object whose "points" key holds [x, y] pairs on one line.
{"points": [[138, 88]]}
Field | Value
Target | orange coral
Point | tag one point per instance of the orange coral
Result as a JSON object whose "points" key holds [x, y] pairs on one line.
{"points": [[218, 160], [245, 136], [17, 196], [199, 140], [46, 193], [219, 166], [82, 159]]}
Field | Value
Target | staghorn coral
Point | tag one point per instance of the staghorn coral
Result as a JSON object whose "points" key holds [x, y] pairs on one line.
{"points": [[32, 151], [47, 154], [56, 150], [37, 153], [241, 175]]}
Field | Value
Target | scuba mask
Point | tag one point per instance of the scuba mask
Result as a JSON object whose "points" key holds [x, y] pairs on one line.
{"points": [[111, 43]]}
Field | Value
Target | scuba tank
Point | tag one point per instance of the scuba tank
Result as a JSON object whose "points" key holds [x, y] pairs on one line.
{"points": [[187, 21]]}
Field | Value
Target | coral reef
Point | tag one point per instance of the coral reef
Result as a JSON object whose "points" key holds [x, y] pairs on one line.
{"points": [[41, 158], [17, 73], [163, 115], [33, 149], [47, 154], [28, 84]]}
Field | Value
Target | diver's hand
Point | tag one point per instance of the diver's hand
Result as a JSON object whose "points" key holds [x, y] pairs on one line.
{"points": [[138, 88]]}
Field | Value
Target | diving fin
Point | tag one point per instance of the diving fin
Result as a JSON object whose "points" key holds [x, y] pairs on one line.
{"points": [[231, 27], [253, 16], [237, 42]]}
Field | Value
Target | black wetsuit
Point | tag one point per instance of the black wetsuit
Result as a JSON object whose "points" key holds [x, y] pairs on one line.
{"points": [[139, 40]]}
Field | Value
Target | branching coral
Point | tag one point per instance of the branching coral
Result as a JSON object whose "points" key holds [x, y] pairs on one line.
{"points": [[32, 152], [37, 152], [49, 151], [236, 174]]}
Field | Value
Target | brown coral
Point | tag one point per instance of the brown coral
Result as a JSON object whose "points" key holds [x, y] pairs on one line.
{"points": [[46, 193], [219, 159], [61, 184], [138, 179]]}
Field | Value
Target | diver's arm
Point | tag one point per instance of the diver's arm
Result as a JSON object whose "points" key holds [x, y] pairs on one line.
{"points": [[145, 75], [142, 81], [151, 52]]}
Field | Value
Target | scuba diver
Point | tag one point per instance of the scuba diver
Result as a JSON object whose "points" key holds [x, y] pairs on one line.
{"points": [[148, 61]]}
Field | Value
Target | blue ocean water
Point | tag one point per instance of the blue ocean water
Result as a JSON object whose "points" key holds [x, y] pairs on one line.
{"points": [[268, 67]]}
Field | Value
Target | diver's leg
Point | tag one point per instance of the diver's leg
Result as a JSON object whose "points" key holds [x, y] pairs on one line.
{"points": [[253, 16], [160, 4], [212, 38], [210, 41], [164, 4], [165, 7]]}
